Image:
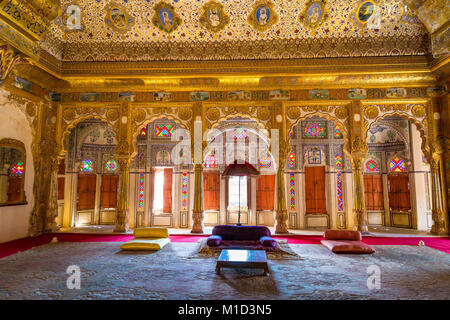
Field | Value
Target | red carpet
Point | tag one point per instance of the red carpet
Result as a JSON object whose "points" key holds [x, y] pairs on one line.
{"points": [[9, 248]]}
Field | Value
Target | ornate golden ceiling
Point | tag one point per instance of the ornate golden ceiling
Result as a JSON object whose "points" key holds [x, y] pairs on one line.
{"points": [[147, 30]]}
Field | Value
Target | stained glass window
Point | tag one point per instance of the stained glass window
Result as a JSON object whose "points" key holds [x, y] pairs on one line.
{"points": [[184, 191], [338, 132], [143, 133], [265, 161], [424, 160], [340, 199], [291, 160], [87, 165], [17, 169], [291, 133], [372, 166], [314, 130], [397, 165], [239, 134], [141, 191], [164, 130], [292, 190], [210, 161], [111, 166]]}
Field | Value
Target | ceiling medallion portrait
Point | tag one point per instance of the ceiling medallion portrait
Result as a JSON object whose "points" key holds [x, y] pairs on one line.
{"points": [[263, 15], [165, 17], [71, 18], [367, 14], [314, 14], [117, 18], [214, 18]]}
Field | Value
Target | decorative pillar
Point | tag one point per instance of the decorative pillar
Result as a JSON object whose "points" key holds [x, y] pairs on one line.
{"points": [[281, 215], [440, 218], [122, 199], [197, 212], [52, 211], [359, 150]]}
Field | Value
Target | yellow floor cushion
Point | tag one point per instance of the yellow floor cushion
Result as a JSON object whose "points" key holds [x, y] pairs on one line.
{"points": [[145, 244], [151, 233]]}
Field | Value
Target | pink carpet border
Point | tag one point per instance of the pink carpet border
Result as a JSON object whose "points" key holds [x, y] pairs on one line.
{"points": [[12, 247]]}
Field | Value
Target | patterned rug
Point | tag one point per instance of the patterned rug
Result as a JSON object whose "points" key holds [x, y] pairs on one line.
{"points": [[407, 272], [282, 251]]}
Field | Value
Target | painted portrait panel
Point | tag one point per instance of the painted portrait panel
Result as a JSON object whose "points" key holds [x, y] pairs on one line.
{"points": [[314, 13], [262, 15], [365, 11]]}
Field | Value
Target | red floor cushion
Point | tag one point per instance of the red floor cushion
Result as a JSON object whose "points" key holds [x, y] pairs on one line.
{"points": [[342, 235], [347, 246]]}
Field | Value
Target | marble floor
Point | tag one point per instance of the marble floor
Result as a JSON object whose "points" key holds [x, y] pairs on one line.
{"points": [[406, 272]]}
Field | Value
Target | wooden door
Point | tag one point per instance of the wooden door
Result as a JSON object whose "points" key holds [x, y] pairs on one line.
{"points": [[211, 190], [108, 198], [315, 190], [265, 193], [14, 189], [86, 191], [399, 195], [61, 188], [373, 192], [167, 205]]}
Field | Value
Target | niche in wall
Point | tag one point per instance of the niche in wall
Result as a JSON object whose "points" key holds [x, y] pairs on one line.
{"points": [[12, 172]]}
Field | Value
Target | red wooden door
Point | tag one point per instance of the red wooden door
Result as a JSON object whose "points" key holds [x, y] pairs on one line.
{"points": [[211, 190], [14, 189], [167, 205], [86, 191], [373, 192], [265, 192], [399, 195], [315, 190], [108, 198]]}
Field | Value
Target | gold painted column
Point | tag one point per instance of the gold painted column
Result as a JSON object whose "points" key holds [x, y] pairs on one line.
{"points": [[197, 212], [122, 199], [438, 209], [359, 150], [52, 210], [281, 215]]}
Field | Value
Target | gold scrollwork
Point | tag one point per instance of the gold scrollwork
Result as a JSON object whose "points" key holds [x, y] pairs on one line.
{"points": [[213, 114], [371, 112], [418, 111], [69, 114], [263, 113], [293, 112], [139, 115], [112, 114], [341, 112], [185, 113]]}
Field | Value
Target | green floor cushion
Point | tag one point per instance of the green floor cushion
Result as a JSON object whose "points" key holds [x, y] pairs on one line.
{"points": [[151, 233], [145, 244]]}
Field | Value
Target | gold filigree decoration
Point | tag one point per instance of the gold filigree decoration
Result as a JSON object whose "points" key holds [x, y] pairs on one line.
{"points": [[69, 114], [371, 112], [185, 113], [263, 15], [418, 111], [165, 17], [263, 113], [213, 114], [214, 18], [314, 14], [31, 109], [117, 18], [139, 115], [293, 112], [112, 115], [341, 112]]}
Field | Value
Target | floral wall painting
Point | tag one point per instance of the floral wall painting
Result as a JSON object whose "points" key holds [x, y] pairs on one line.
{"points": [[199, 96], [127, 97], [239, 95], [318, 94], [89, 97], [214, 17], [396, 93], [263, 15], [434, 92], [314, 14], [165, 17], [162, 96], [117, 18], [279, 95], [357, 93]]}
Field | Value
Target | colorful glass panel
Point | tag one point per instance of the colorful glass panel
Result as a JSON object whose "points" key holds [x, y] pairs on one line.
{"points": [[292, 190], [164, 130], [184, 191], [340, 198], [291, 160], [314, 130], [339, 163], [397, 165], [141, 191], [265, 161], [87, 165], [338, 132], [210, 161], [143, 133], [17, 169], [239, 134], [372, 166], [424, 160], [111, 166]]}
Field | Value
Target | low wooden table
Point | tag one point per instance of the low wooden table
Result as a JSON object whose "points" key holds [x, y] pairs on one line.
{"points": [[236, 258]]}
